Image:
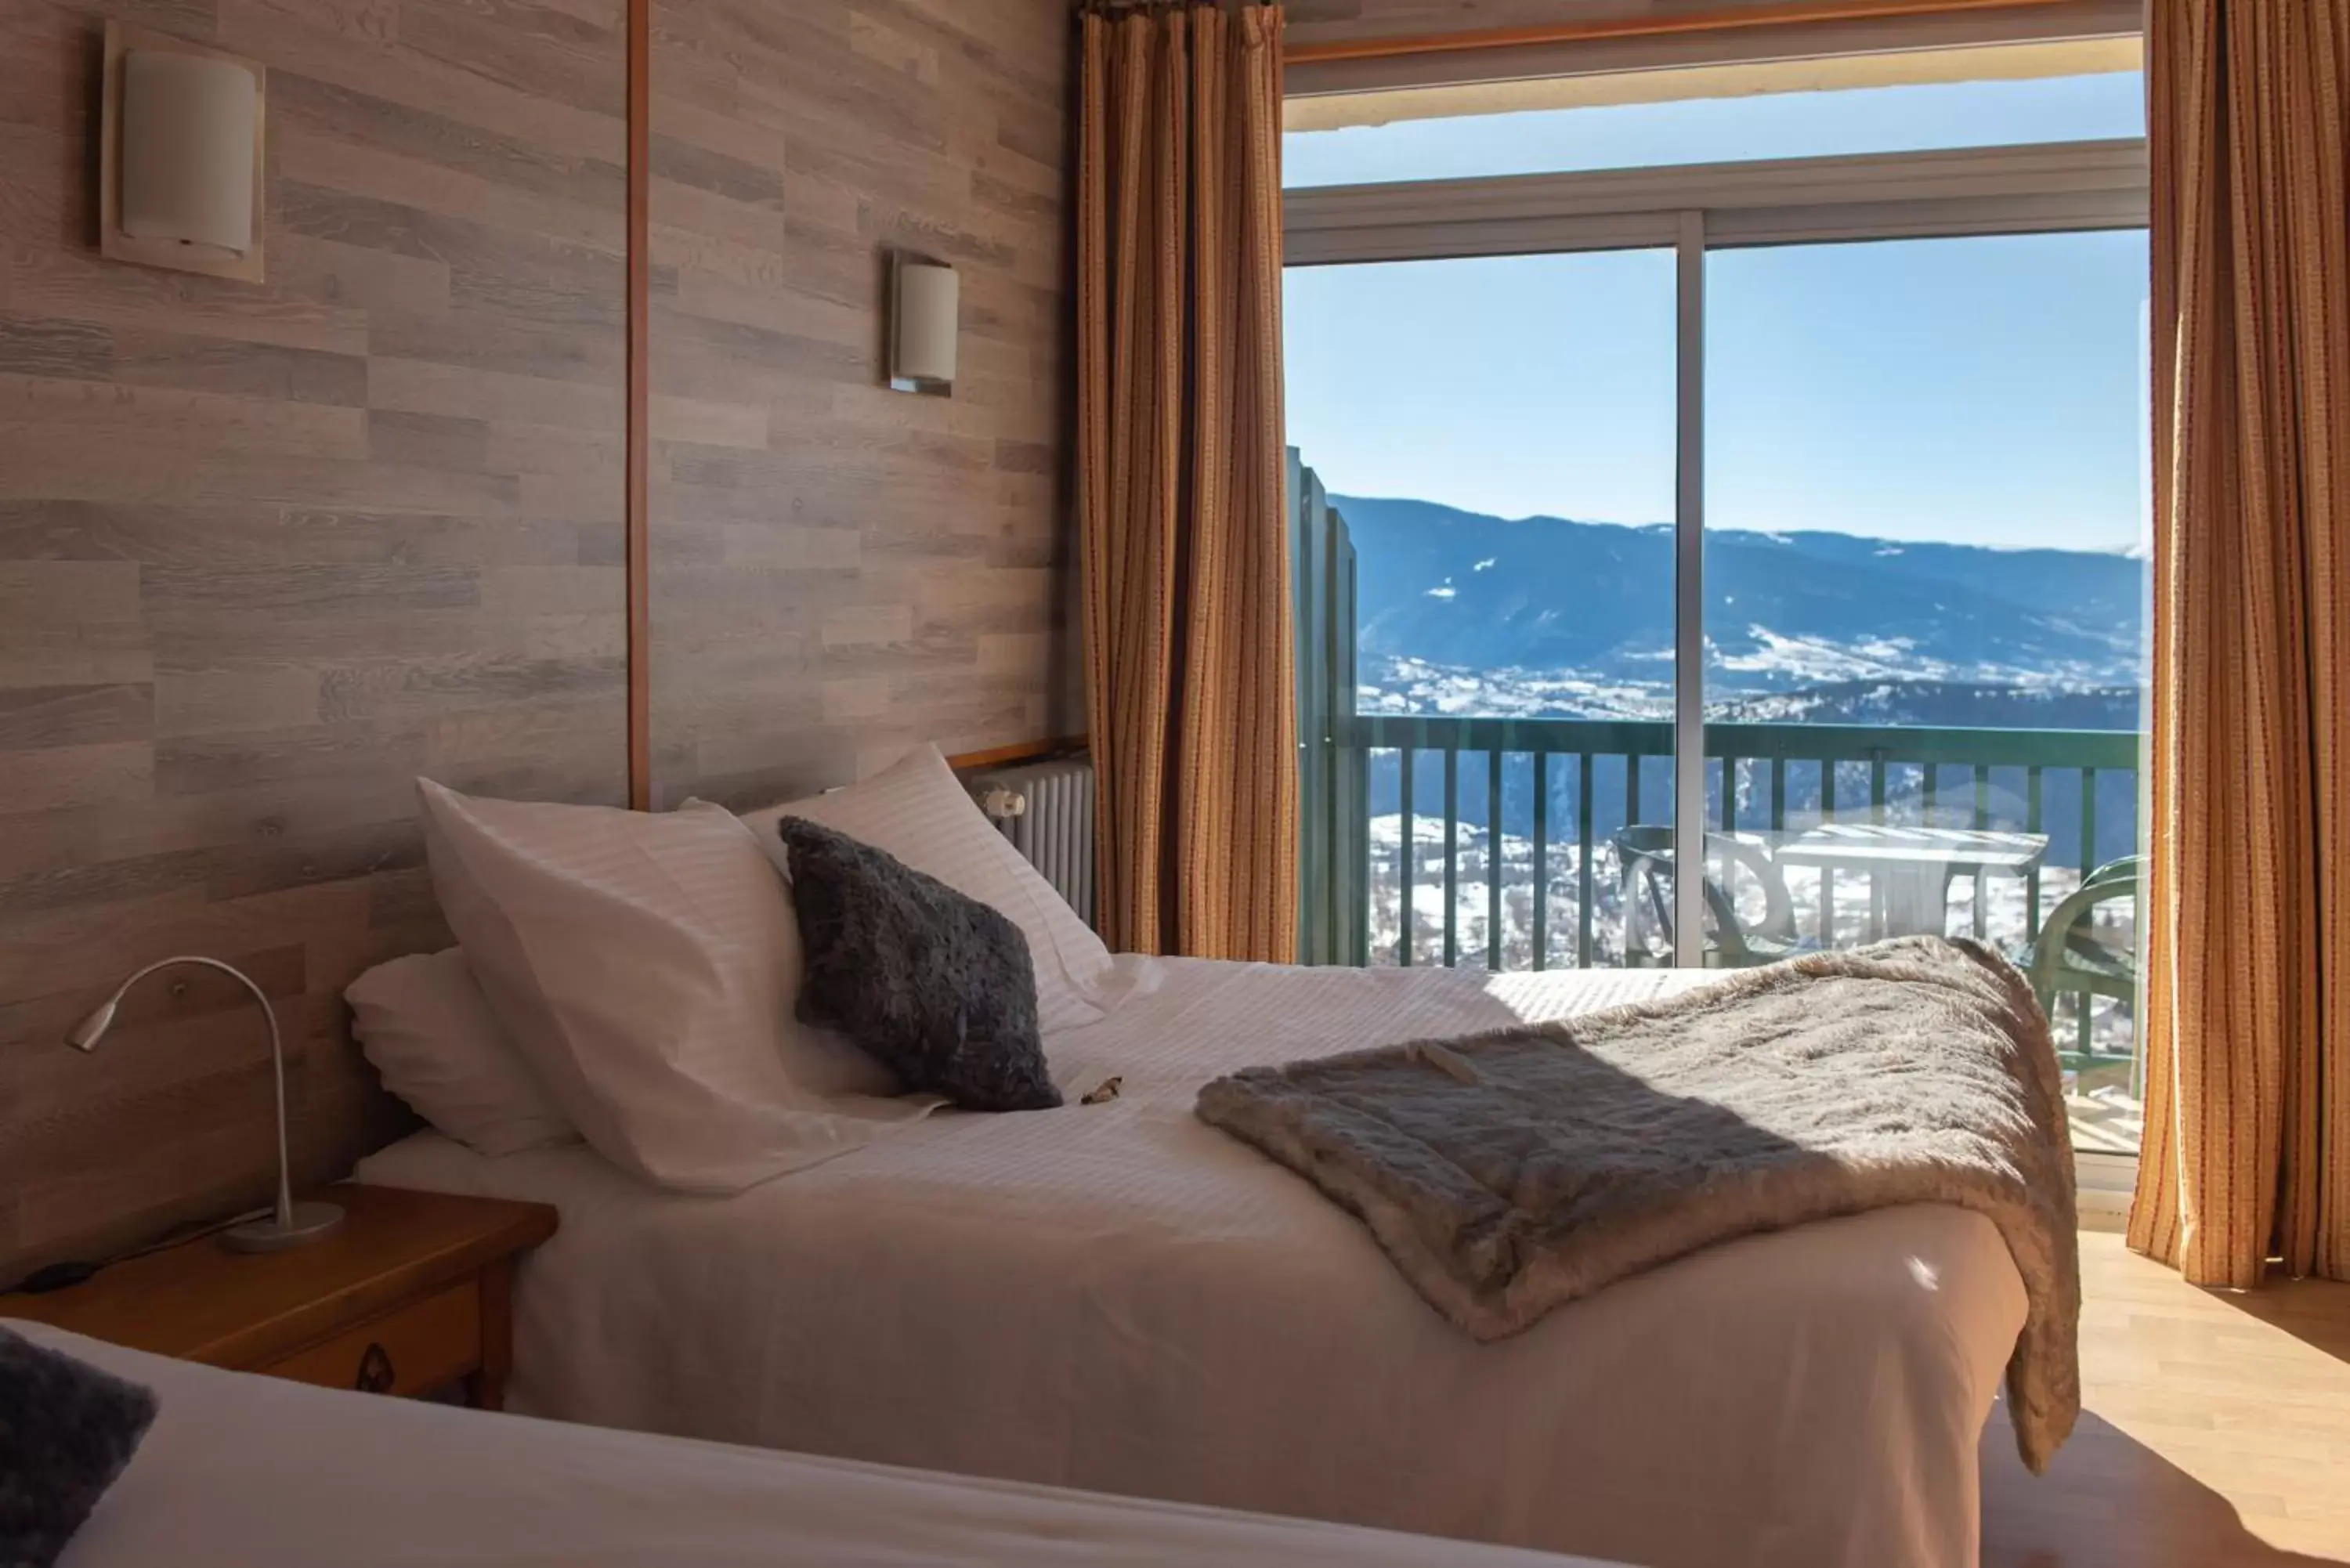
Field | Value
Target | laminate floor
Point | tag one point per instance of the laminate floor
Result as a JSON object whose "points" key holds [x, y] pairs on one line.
{"points": [[2215, 1430]]}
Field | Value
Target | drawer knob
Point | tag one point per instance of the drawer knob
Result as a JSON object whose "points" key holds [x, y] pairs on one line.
{"points": [[375, 1375]]}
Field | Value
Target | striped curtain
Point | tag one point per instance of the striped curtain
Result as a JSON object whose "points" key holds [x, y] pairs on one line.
{"points": [[1181, 524], [2247, 1150]]}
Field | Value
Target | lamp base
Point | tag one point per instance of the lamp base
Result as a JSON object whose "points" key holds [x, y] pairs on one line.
{"points": [[311, 1222]]}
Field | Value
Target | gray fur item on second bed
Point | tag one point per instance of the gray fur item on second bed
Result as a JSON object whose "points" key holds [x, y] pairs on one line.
{"points": [[67, 1430], [1510, 1173]]}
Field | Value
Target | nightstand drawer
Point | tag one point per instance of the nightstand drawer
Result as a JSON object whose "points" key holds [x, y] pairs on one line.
{"points": [[428, 1344]]}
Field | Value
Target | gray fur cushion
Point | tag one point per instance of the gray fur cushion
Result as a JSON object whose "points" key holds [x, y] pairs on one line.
{"points": [[938, 987], [67, 1429]]}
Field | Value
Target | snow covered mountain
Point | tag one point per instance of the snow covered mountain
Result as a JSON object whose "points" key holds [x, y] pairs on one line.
{"points": [[1461, 612]]}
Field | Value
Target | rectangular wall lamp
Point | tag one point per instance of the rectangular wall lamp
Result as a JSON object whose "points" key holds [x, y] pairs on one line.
{"points": [[925, 318], [179, 171]]}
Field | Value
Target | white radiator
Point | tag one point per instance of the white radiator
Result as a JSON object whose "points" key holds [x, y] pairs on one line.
{"points": [[1046, 809]]}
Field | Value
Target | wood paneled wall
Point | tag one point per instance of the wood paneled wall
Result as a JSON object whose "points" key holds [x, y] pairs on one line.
{"points": [[839, 569], [268, 551]]}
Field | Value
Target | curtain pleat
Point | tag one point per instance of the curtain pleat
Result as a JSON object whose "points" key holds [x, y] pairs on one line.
{"points": [[2247, 1026], [1181, 522]]}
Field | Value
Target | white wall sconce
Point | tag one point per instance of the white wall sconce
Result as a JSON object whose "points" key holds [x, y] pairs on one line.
{"points": [[925, 306], [179, 178]]}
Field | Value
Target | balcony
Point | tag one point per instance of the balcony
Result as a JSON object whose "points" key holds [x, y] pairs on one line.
{"points": [[1511, 844]]}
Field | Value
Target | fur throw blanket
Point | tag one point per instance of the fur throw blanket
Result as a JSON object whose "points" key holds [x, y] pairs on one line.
{"points": [[1512, 1172]]}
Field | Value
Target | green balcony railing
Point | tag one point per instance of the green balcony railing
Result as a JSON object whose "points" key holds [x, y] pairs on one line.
{"points": [[1588, 777], [1854, 764]]}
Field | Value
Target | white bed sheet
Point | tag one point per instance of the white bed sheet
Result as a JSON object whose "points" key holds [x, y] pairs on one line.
{"points": [[1118, 1298], [244, 1471]]}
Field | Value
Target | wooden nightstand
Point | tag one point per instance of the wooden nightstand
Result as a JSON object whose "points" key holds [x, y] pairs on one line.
{"points": [[412, 1295]]}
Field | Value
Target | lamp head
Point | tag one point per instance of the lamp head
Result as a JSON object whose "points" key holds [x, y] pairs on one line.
{"points": [[92, 1029]]}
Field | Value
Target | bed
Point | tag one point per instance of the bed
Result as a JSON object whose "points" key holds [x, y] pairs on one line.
{"points": [[1115, 1297], [251, 1471]]}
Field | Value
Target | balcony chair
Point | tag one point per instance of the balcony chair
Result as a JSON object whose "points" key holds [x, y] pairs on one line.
{"points": [[2066, 955], [1644, 858]]}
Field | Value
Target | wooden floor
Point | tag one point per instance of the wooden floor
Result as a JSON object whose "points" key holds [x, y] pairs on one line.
{"points": [[2214, 1432]]}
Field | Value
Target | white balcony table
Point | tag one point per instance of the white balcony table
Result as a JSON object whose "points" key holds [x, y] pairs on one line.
{"points": [[1914, 865]]}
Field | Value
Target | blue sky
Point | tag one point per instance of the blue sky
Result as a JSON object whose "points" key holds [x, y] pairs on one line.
{"points": [[1987, 391]]}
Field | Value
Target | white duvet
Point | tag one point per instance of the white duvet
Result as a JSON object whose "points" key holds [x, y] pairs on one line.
{"points": [[1118, 1298], [244, 1471]]}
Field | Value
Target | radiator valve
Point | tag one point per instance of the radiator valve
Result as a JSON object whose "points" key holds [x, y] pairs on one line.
{"points": [[1003, 805]]}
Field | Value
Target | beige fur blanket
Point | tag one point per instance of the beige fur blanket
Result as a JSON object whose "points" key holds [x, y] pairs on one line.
{"points": [[1512, 1173]]}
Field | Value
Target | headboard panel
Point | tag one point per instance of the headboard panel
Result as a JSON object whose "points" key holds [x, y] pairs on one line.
{"points": [[840, 570], [269, 551]]}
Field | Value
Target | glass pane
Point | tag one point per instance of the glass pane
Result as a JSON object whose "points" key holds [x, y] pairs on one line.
{"points": [[1925, 579], [1686, 116], [1496, 436]]}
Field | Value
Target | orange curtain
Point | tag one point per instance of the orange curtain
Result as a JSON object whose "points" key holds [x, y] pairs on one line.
{"points": [[2247, 1151], [1181, 521]]}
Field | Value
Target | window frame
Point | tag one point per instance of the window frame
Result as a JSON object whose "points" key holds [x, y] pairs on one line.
{"points": [[2042, 188], [1692, 210]]}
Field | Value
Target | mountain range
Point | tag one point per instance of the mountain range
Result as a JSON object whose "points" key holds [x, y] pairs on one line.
{"points": [[1462, 612]]}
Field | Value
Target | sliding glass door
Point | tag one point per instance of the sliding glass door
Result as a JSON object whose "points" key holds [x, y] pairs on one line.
{"points": [[1926, 507], [1795, 511], [1496, 439]]}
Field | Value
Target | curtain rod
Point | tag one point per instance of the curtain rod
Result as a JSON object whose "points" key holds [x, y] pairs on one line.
{"points": [[1110, 7], [1719, 19]]}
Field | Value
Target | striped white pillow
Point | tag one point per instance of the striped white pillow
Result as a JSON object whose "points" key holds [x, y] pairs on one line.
{"points": [[646, 966], [430, 1031], [917, 810]]}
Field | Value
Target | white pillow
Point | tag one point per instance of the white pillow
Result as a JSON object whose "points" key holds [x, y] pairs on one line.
{"points": [[918, 811], [422, 1022], [646, 967]]}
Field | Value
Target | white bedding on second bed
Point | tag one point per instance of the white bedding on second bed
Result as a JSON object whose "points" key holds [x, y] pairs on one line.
{"points": [[1120, 1298], [246, 1471]]}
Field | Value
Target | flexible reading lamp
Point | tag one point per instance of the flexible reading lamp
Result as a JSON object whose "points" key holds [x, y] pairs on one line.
{"points": [[293, 1224]]}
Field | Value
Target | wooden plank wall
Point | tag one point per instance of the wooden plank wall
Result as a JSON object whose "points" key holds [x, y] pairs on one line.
{"points": [[839, 569], [268, 551]]}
